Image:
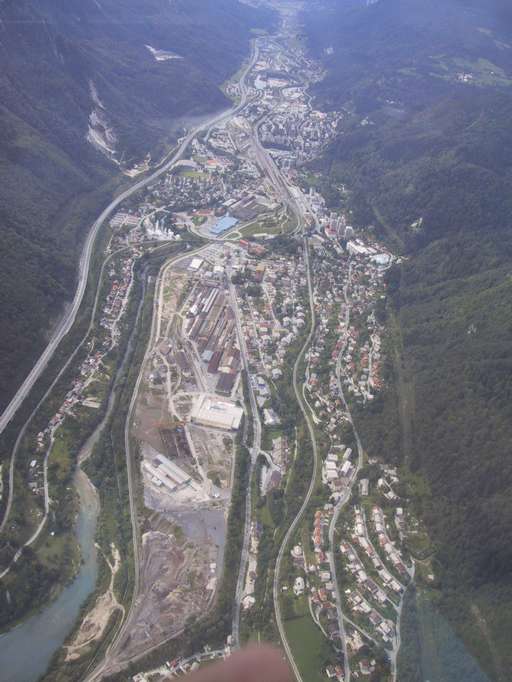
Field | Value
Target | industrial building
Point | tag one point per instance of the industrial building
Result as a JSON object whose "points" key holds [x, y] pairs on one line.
{"points": [[164, 472], [210, 325], [219, 414], [225, 223]]}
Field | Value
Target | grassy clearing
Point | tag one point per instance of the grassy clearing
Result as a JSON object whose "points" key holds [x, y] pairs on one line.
{"points": [[260, 228], [193, 174], [482, 71], [60, 460], [309, 647]]}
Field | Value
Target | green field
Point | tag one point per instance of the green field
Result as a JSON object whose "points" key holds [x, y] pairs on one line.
{"points": [[483, 71], [261, 228], [193, 174], [309, 646]]}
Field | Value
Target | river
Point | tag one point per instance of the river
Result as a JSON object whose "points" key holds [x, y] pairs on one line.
{"points": [[45, 632], [26, 651]]}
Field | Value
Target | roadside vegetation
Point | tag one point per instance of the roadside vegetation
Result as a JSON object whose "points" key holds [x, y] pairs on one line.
{"points": [[424, 156]]}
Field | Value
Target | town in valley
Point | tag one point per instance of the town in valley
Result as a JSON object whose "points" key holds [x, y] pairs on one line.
{"points": [[266, 344]]}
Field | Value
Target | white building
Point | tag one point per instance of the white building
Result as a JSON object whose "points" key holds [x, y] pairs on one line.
{"points": [[219, 414], [299, 586]]}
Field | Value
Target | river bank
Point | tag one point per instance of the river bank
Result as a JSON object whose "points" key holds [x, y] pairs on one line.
{"points": [[43, 633]]}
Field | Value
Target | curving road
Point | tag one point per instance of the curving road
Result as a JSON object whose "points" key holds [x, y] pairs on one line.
{"points": [[85, 259], [64, 367], [84, 266], [103, 666], [70, 317], [348, 492], [255, 451], [293, 526]]}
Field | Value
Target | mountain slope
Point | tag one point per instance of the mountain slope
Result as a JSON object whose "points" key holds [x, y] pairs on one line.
{"points": [[426, 151], [81, 93]]}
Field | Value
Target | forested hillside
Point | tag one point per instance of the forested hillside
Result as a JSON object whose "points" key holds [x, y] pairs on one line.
{"points": [[75, 65], [426, 152]]}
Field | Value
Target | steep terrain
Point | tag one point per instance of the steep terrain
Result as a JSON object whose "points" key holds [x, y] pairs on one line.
{"points": [[426, 152], [86, 87]]}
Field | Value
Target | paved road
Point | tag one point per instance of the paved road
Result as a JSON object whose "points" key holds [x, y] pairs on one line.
{"points": [[360, 458], [64, 367], [255, 451], [85, 259], [305, 504], [42, 523], [103, 667], [345, 497]]}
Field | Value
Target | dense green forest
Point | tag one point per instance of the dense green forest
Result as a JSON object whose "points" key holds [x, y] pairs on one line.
{"points": [[425, 152], [61, 60]]}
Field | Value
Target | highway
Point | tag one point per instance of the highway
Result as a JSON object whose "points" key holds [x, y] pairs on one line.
{"points": [[85, 260], [69, 317], [103, 667], [111, 658], [64, 367]]}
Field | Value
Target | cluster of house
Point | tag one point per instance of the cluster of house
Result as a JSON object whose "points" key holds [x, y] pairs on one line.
{"points": [[362, 359], [117, 297], [364, 585], [190, 185], [293, 131], [361, 536], [294, 127], [361, 280], [323, 595], [335, 672], [327, 404], [365, 666], [393, 555], [375, 587], [113, 309], [386, 482], [210, 191], [273, 321], [322, 591], [338, 469]]}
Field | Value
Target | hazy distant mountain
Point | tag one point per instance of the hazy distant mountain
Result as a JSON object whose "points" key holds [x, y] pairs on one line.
{"points": [[84, 84]]}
